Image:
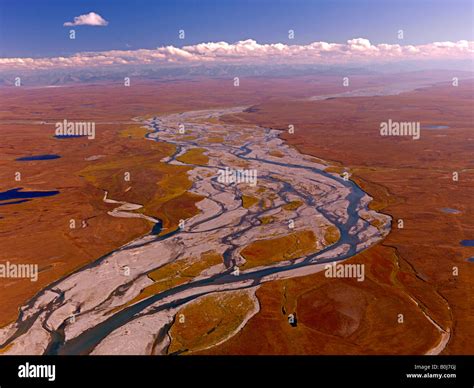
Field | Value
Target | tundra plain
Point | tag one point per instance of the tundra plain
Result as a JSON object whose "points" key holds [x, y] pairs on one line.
{"points": [[409, 271]]}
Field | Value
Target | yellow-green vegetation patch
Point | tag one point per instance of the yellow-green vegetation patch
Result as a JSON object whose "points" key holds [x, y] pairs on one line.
{"points": [[248, 201], [376, 223], [215, 139], [110, 173], [209, 120], [194, 156], [134, 132], [176, 273], [293, 205], [162, 189], [188, 138], [209, 320], [267, 220], [332, 235], [266, 252], [187, 268], [178, 208]]}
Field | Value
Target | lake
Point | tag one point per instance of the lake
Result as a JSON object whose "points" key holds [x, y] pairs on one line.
{"points": [[450, 211], [37, 157], [18, 194]]}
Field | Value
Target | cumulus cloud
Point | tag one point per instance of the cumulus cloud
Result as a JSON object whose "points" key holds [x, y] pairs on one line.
{"points": [[90, 19], [249, 51]]}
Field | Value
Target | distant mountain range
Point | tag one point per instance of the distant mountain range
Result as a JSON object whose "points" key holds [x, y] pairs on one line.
{"points": [[165, 73]]}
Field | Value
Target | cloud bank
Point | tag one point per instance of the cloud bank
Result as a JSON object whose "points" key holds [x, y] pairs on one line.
{"points": [[90, 19], [355, 51]]}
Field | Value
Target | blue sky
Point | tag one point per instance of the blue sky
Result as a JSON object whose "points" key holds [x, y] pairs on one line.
{"points": [[35, 28]]}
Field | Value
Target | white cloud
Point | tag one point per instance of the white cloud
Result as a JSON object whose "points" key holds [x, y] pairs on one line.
{"points": [[90, 19], [251, 52]]}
